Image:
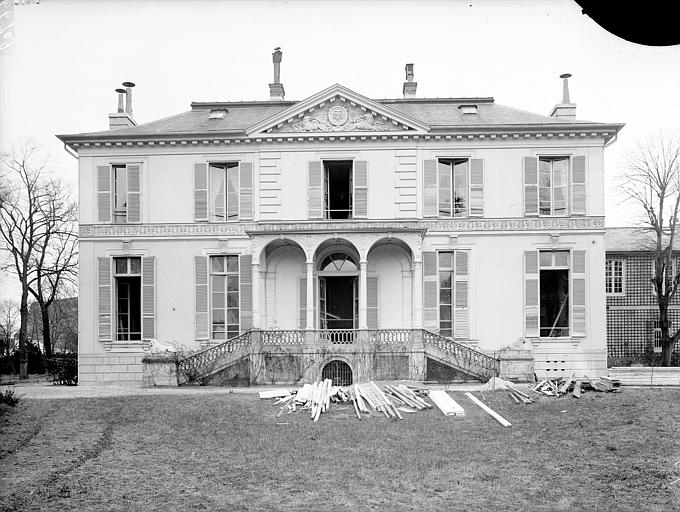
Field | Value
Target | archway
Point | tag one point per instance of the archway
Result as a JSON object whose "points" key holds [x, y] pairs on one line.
{"points": [[338, 371]]}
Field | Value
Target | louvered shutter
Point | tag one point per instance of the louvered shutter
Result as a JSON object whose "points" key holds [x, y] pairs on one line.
{"points": [[104, 298], [361, 189], [314, 192], [372, 302], [578, 185], [530, 185], [148, 297], [133, 193], [104, 193], [246, 191], [531, 276], [246, 292], [578, 301], [201, 304], [476, 187], [461, 323], [430, 290], [430, 188], [302, 301], [201, 191]]}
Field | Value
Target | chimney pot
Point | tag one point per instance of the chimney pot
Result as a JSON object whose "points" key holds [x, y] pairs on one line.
{"points": [[120, 100], [128, 97], [410, 86], [276, 90], [565, 87], [566, 109]]}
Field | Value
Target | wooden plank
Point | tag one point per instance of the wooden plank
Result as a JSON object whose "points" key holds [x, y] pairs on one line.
{"points": [[513, 397], [500, 419], [577, 389], [275, 393], [563, 389]]}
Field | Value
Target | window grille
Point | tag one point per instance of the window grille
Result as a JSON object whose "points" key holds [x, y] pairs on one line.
{"points": [[338, 371]]}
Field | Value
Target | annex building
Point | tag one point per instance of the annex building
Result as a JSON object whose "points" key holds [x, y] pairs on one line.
{"points": [[344, 236]]}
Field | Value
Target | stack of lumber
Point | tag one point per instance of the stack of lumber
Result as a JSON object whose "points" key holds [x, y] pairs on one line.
{"points": [[525, 396], [646, 376]]}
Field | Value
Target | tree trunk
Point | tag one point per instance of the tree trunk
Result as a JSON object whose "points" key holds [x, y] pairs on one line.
{"points": [[667, 353], [47, 338], [665, 337], [23, 335]]}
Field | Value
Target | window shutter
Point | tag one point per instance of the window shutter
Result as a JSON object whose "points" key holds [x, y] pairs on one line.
{"points": [[531, 276], [104, 293], [201, 279], [314, 202], [530, 185], [303, 302], [104, 193], [201, 192], [361, 189], [133, 193], [372, 302], [578, 301], [430, 290], [246, 292], [578, 185], [461, 322], [430, 188], [476, 187], [148, 298], [246, 191]]}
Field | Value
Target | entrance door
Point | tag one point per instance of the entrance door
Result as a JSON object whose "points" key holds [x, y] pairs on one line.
{"points": [[338, 302]]}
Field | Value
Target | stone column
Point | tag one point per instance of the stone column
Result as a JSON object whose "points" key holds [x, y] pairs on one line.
{"points": [[363, 296], [310, 295], [256, 295], [417, 294]]}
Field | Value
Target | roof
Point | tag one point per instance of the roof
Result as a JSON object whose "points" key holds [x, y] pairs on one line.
{"points": [[634, 239]]}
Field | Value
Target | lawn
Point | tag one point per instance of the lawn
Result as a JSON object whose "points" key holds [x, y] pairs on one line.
{"points": [[230, 452]]}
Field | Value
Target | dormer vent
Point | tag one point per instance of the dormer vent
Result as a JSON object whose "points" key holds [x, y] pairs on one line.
{"points": [[218, 113], [468, 109]]}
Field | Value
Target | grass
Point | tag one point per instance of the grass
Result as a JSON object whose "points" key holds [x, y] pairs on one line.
{"points": [[230, 452]]}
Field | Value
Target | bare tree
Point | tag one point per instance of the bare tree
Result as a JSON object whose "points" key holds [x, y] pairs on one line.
{"points": [[652, 180], [9, 314]]}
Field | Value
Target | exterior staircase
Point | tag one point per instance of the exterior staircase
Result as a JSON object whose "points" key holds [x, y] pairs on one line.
{"points": [[460, 357], [197, 368]]}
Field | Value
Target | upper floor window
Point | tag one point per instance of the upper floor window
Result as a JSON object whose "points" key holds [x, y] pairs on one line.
{"points": [[119, 193], [224, 191], [614, 277], [453, 187], [555, 185], [337, 189]]}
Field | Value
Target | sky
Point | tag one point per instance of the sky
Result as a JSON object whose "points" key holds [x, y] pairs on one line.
{"points": [[69, 56]]}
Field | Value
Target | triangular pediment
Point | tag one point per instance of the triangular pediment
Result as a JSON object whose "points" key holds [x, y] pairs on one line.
{"points": [[338, 110]]}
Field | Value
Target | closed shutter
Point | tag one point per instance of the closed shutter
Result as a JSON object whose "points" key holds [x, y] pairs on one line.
{"points": [[461, 323], [578, 284], [314, 192], [104, 298], [361, 189], [246, 191], [246, 292], [530, 185], [578, 185], [531, 275], [476, 187], [372, 302], [201, 304], [302, 301], [133, 193], [104, 193], [430, 290], [201, 191], [430, 188], [148, 298]]}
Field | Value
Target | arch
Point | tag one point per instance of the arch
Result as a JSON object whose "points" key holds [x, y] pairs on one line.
{"points": [[338, 370], [335, 245], [338, 262], [395, 241], [270, 247], [284, 265]]}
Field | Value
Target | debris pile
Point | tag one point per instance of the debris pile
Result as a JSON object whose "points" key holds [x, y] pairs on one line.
{"points": [[562, 386]]}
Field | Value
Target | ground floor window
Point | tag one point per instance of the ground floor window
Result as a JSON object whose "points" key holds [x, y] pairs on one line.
{"points": [[453, 292], [554, 293], [224, 286], [128, 286]]}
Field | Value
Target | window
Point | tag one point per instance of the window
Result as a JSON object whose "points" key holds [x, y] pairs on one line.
{"points": [[670, 274], [453, 187], [613, 277], [128, 284], [453, 291], [119, 193], [554, 293], [553, 184], [338, 189], [224, 285], [657, 335], [224, 191]]}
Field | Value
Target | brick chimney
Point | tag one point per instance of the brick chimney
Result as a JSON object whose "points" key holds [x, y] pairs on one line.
{"points": [[122, 118], [276, 90], [410, 86], [566, 109]]}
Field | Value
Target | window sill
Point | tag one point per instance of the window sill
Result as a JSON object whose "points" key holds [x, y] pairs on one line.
{"points": [[126, 346]]}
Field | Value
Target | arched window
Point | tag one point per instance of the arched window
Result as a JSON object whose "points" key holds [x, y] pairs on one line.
{"points": [[338, 262]]}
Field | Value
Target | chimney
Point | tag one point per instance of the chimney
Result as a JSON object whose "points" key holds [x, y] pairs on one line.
{"points": [[410, 86], [566, 109], [276, 90], [123, 117]]}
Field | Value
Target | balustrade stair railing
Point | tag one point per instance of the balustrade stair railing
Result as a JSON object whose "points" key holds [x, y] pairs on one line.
{"points": [[461, 357], [199, 366]]}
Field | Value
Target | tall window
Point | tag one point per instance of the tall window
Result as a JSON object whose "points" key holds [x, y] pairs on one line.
{"points": [[554, 293], [338, 189], [553, 185], [452, 269], [453, 187], [613, 277], [128, 283], [120, 193], [224, 285], [224, 191]]}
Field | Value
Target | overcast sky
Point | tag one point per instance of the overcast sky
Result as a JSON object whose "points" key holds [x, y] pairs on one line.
{"points": [[69, 56]]}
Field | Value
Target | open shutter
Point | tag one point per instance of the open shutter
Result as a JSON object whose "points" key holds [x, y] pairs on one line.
{"points": [[246, 292], [246, 191], [314, 192], [530, 185], [372, 302], [578, 185], [201, 191], [476, 187], [578, 285], [104, 193], [133, 193], [201, 305], [361, 189], [104, 296], [430, 290], [148, 298], [531, 275], [430, 188], [302, 294], [461, 321]]}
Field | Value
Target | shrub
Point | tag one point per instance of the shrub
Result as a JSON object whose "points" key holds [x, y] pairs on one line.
{"points": [[64, 369], [9, 397]]}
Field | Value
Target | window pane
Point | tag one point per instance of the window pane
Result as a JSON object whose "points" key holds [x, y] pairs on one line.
{"points": [[135, 265], [218, 319], [445, 280], [445, 296], [561, 258], [232, 193], [232, 316], [445, 188], [460, 187], [445, 260], [217, 283], [546, 258], [217, 299], [121, 265], [232, 283], [232, 299], [217, 264], [232, 263], [119, 188], [217, 195], [445, 332], [445, 313]]}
